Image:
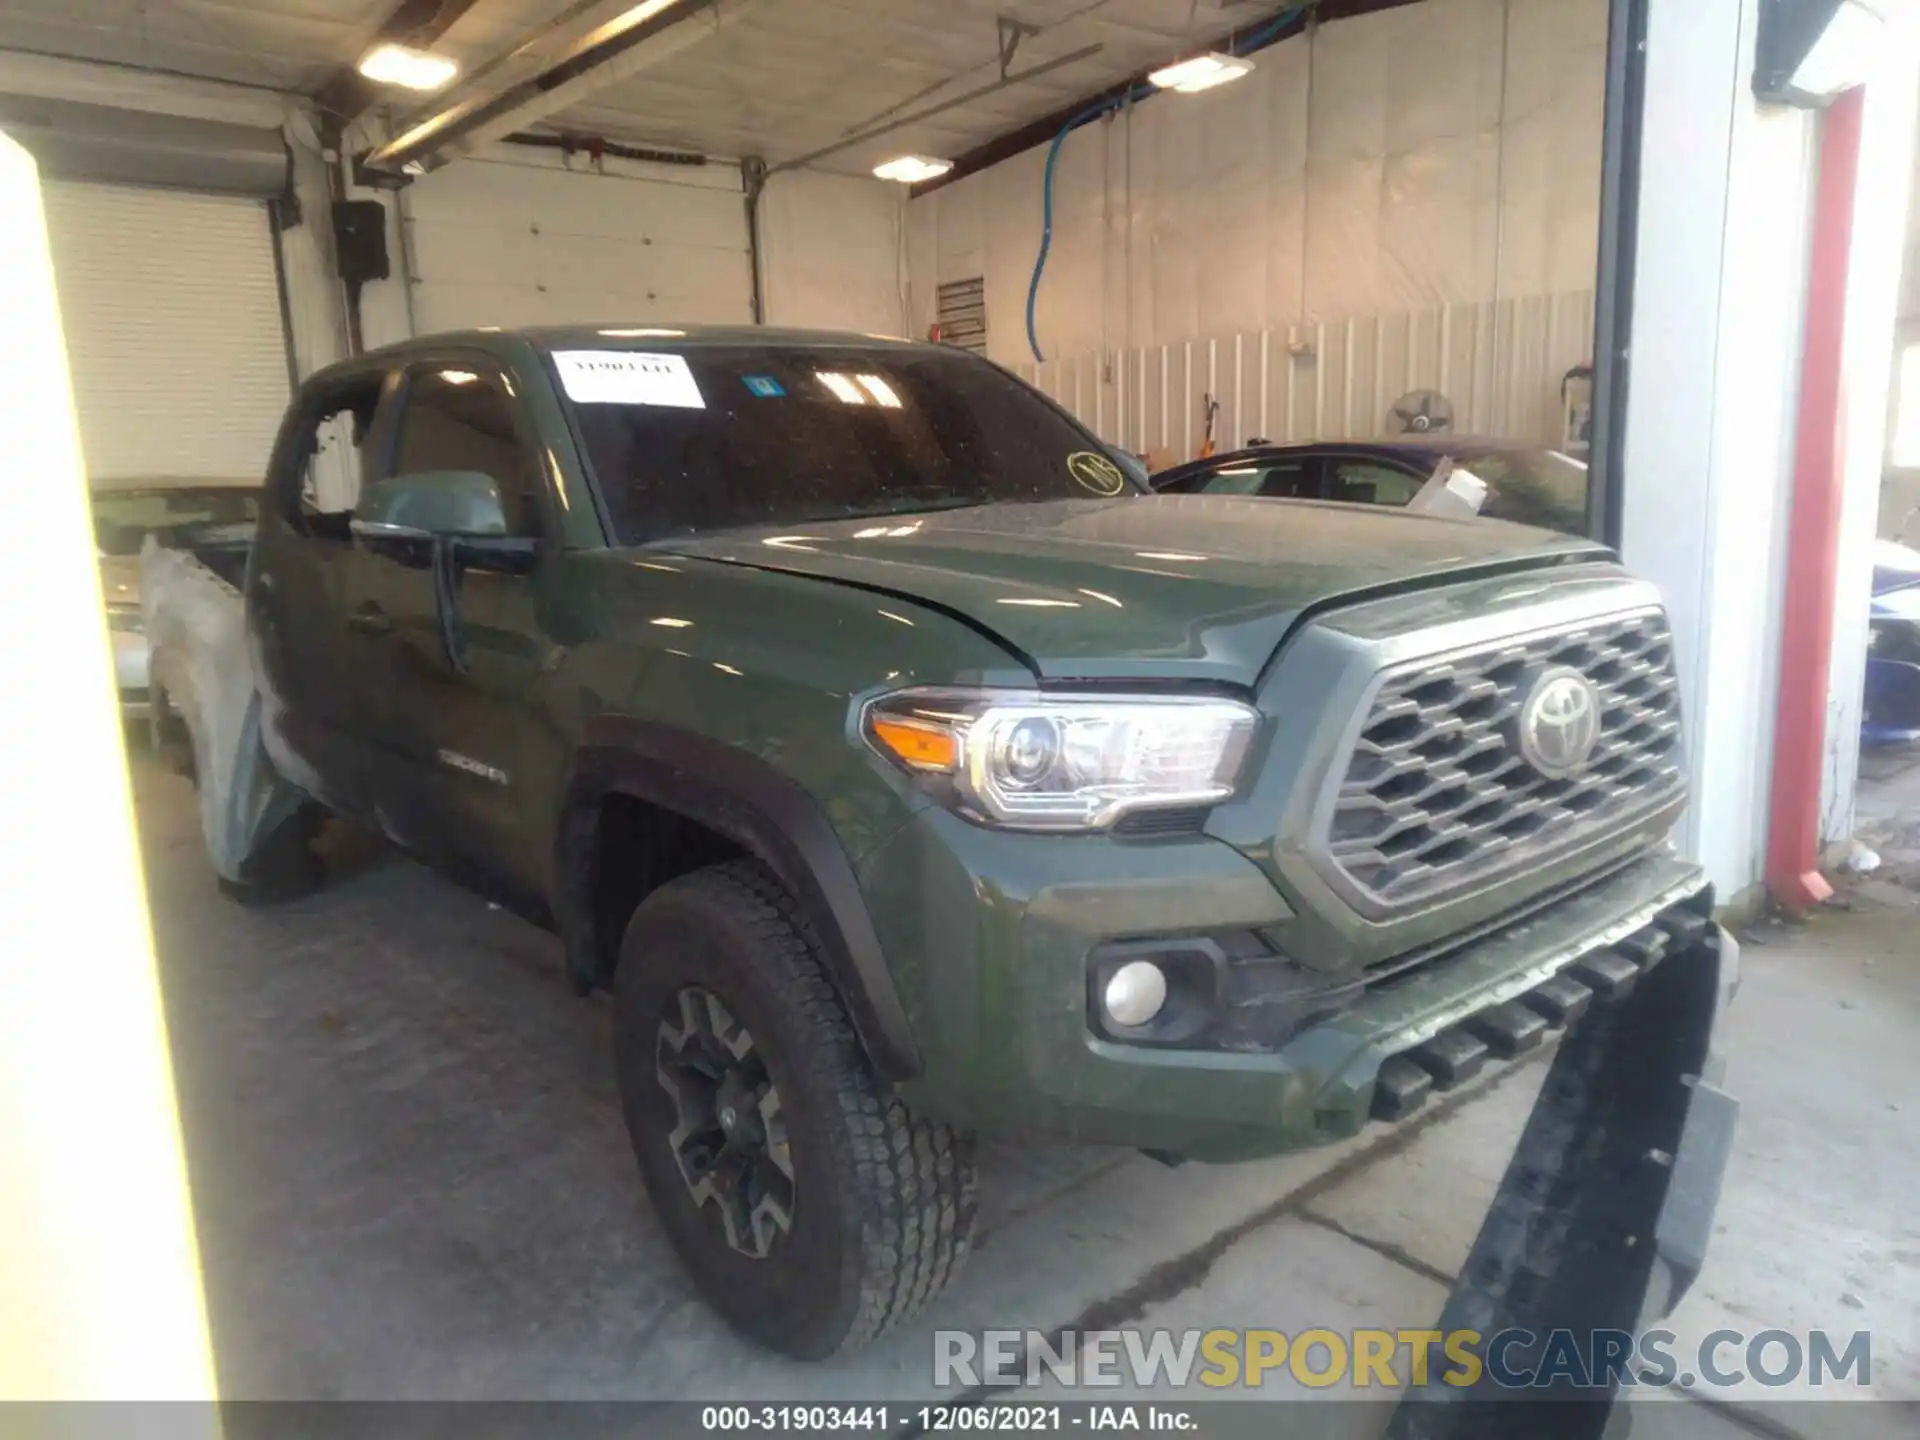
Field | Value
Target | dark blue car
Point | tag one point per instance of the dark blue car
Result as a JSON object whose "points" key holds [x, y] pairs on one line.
{"points": [[1542, 487], [1893, 648], [1525, 483]]}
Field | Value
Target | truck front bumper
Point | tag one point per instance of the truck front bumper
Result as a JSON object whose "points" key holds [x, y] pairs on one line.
{"points": [[1626, 1145], [993, 944]]}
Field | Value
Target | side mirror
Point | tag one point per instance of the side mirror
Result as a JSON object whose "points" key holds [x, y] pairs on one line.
{"points": [[459, 507], [430, 505]]}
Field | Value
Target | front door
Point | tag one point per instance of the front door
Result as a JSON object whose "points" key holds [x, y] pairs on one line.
{"points": [[465, 740]]}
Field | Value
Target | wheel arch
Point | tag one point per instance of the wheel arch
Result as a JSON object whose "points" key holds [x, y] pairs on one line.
{"points": [[766, 815]]}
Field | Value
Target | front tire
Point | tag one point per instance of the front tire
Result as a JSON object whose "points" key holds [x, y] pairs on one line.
{"points": [[811, 1207]]}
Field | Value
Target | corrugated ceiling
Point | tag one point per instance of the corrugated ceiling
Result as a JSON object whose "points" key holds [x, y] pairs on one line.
{"points": [[781, 78]]}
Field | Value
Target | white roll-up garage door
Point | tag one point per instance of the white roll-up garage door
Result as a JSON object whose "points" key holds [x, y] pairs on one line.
{"points": [[511, 243], [171, 308]]}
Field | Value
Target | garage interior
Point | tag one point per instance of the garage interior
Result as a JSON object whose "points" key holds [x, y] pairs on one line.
{"points": [[408, 1173]]}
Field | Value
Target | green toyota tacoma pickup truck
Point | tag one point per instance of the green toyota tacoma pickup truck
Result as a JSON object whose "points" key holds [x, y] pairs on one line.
{"points": [[905, 771]]}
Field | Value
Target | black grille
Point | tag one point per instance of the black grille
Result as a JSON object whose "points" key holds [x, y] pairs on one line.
{"points": [[1437, 796], [1142, 824]]}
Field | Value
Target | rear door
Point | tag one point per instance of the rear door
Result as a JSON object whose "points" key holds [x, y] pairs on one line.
{"points": [[310, 664], [465, 751]]}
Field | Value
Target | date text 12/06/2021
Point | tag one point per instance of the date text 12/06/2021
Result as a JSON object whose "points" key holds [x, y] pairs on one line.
{"points": [[938, 1419]]}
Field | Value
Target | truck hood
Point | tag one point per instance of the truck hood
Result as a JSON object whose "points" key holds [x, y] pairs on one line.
{"points": [[1199, 587]]}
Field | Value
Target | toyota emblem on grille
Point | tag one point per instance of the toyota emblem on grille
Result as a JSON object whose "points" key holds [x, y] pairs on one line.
{"points": [[1560, 722]]}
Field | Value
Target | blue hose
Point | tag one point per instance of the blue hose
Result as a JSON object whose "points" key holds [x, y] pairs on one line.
{"points": [[1046, 209], [1246, 45]]}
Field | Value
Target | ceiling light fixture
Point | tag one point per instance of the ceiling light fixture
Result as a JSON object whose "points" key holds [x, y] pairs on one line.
{"points": [[1202, 72], [912, 169], [404, 66]]}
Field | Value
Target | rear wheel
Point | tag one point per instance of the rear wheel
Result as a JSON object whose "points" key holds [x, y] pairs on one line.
{"points": [[812, 1208], [167, 735], [283, 865]]}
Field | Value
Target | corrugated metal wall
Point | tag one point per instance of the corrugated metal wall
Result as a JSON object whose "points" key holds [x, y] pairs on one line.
{"points": [[1500, 363], [1427, 156]]}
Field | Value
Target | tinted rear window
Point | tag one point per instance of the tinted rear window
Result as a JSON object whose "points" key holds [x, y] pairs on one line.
{"points": [[781, 436], [1533, 487]]}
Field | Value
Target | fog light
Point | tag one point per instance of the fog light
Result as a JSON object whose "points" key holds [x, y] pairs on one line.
{"points": [[1135, 993]]}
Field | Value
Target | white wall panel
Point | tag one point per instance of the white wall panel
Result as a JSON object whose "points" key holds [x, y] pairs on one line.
{"points": [[1718, 297], [1873, 292], [172, 315], [833, 253], [1550, 150], [521, 242], [1437, 154], [518, 239]]}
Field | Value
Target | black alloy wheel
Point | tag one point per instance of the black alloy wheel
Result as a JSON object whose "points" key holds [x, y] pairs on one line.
{"points": [[731, 1138]]}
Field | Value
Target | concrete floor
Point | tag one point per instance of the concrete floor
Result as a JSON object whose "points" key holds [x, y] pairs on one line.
{"points": [[411, 1178]]}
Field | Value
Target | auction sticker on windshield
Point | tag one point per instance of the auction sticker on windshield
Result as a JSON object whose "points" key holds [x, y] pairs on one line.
{"points": [[1096, 472], [627, 377]]}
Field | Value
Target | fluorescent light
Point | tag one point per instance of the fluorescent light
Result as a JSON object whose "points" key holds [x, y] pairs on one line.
{"points": [[1202, 72], [880, 390], [458, 377], [644, 332], [672, 622], [912, 169], [841, 386], [403, 65]]}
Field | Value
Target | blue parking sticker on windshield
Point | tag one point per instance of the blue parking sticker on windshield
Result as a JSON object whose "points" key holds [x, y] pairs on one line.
{"points": [[764, 385]]}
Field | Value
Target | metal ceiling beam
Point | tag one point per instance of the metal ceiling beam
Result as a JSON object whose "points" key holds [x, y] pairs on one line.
{"points": [[648, 34], [347, 94], [1086, 52], [1043, 130]]}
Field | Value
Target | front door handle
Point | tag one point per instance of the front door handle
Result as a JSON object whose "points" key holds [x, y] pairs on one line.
{"points": [[369, 619]]}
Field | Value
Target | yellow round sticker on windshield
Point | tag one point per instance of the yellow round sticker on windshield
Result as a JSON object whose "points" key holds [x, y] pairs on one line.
{"points": [[1096, 472]]}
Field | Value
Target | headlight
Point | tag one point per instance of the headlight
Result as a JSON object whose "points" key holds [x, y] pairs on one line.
{"points": [[127, 619], [1027, 761]]}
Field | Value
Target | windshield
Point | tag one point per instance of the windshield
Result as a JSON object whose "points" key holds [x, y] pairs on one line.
{"points": [[718, 438], [1533, 487], [123, 520]]}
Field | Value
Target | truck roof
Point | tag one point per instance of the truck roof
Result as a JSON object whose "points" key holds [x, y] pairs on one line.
{"points": [[637, 335]]}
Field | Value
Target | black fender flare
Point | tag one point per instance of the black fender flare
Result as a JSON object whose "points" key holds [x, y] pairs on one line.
{"points": [[747, 801]]}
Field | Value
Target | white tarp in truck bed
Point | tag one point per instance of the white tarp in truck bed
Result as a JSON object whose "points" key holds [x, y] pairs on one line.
{"points": [[197, 631]]}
